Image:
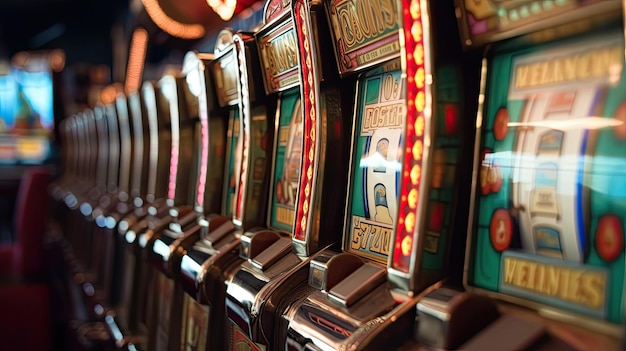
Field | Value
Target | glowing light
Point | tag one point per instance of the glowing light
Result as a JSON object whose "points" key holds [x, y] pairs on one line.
{"points": [[309, 93], [170, 25], [590, 122], [416, 97], [108, 94], [224, 8], [136, 58], [57, 60]]}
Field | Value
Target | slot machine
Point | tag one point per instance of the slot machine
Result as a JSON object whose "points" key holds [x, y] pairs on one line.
{"points": [[81, 198], [106, 182], [85, 267], [411, 147], [116, 204], [141, 197], [128, 323], [206, 255], [76, 181], [546, 225], [72, 175], [173, 175], [96, 276], [211, 136], [309, 175]]}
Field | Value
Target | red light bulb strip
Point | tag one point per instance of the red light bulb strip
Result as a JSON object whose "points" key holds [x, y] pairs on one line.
{"points": [[416, 102]]}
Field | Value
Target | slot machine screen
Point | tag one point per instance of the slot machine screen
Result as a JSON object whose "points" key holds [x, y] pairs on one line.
{"points": [[375, 183], [552, 182], [26, 115]]}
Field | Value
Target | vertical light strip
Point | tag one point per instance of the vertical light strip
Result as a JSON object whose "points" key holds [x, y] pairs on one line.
{"points": [[245, 120], [309, 99], [136, 59], [204, 133], [172, 99], [415, 129]]}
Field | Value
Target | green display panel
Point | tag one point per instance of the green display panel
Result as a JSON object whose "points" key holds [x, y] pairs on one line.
{"points": [[287, 160], [551, 206]]}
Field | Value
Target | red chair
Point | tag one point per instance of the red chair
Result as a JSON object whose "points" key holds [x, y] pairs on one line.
{"points": [[25, 318]]}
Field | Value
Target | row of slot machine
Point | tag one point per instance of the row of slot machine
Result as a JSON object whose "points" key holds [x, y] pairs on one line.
{"points": [[362, 175]]}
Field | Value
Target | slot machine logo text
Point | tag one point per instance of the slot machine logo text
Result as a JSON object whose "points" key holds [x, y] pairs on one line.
{"points": [[593, 64], [569, 284], [281, 53], [386, 116], [363, 21], [369, 236]]}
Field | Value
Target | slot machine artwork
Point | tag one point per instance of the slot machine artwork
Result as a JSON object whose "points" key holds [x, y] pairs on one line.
{"points": [[552, 181], [546, 221]]}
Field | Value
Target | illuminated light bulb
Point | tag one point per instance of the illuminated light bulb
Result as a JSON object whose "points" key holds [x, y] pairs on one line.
{"points": [[407, 243], [224, 9]]}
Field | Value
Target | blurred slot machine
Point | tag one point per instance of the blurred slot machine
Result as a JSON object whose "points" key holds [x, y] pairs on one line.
{"points": [[68, 170], [83, 198], [95, 249], [140, 198], [193, 151], [84, 175], [309, 175], [204, 260], [127, 323], [91, 201], [96, 133], [115, 205], [546, 225], [411, 147], [209, 159], [174, 174]]}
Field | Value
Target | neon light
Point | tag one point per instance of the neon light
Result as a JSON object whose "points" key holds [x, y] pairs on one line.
{"points": [[416, 98], [170, 25], [136, 58], [174, 156], [204, 135]]}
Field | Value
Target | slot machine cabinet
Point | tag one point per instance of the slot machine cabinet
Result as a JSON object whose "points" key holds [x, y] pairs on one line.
{"points": [[308, 179], [72, 181], [97, 282], [82, 195], [60, 188], [139, 183], [409, 143], [546, 225], [108, 162], [205, 257], [127, 323], [112, 208], [211, 135], [173, 174], [85, 266], [141, 197], [74, 177]]}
